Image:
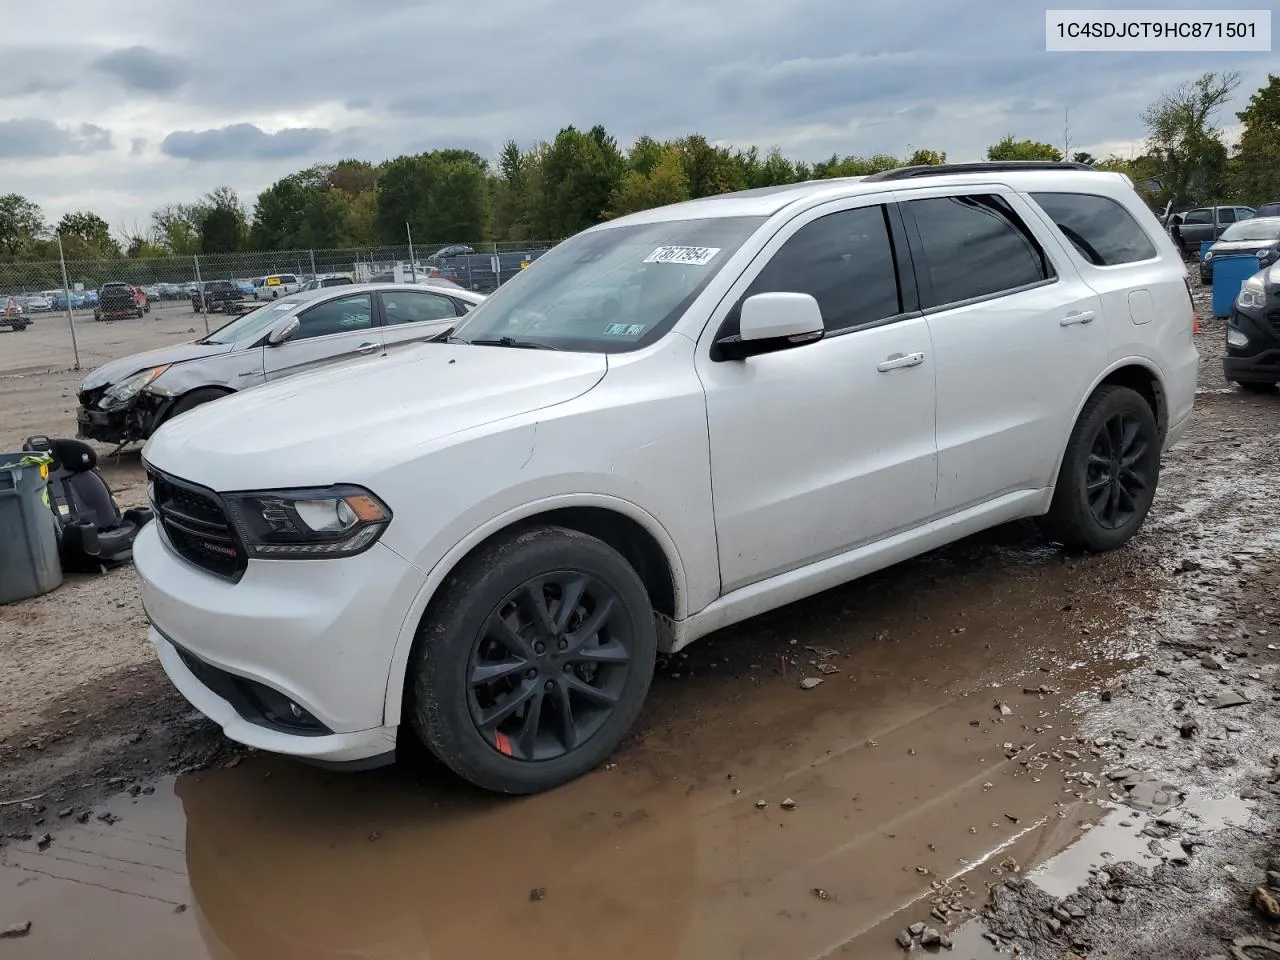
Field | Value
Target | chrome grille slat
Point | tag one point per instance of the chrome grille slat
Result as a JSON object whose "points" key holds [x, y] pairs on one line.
{"points": [[196, 526]]}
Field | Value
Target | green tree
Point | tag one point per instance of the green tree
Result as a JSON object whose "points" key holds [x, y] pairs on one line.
{"points": [[926, 158], [1184, 136], [1011, 149], [1255, 168], [580, 173], [710, 170], [86, 236], [177, 228], [665, 182], [21, 224], [442, 195]]}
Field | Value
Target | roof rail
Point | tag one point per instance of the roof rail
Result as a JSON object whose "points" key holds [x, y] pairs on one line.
{"points": [[986, 166]]}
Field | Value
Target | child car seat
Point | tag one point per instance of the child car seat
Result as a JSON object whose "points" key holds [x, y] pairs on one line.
{"points": [[93, 531]]}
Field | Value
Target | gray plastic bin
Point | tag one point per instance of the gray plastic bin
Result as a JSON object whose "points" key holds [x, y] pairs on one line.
{"points": [[29, 563]]}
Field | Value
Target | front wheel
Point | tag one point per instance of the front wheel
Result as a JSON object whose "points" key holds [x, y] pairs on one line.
{"points": [[1109, 473], [534, 662]]}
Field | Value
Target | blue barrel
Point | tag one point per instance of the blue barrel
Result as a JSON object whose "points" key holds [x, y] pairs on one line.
{"points": [[1204, 248], [1229, 275]]}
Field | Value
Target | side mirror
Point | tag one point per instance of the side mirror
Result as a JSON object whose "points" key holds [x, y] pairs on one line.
{"points": [[772, 321], [281, 334]]}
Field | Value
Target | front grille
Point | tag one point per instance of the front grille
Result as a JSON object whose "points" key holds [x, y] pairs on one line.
{"points": [[197, 526]]}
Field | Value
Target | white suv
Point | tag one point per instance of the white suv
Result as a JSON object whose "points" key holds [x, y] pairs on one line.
{"points": [[669, 423]]}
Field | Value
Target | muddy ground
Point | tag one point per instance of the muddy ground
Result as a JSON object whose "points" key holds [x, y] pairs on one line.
{"points": [[1018, 751]]}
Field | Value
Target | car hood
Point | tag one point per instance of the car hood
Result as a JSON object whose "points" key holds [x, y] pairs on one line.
{"points": [[332, 425], [1228, 247], [117, 370]]}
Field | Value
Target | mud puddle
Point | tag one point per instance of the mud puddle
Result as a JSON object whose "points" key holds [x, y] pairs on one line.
{"points": [[749, 818]]}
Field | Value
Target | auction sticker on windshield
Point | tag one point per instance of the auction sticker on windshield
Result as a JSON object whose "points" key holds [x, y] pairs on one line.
{"points": [[624, 330], [695, 256]]}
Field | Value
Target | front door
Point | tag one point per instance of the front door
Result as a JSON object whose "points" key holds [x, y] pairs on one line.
{"points": [[823, 447], [330, 332]]}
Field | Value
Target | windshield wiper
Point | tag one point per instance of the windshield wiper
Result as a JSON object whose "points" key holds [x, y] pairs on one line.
{"points": [[513, 342]]}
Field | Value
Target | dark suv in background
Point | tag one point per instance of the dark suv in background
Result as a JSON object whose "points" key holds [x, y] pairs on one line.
{"points": [[217, 294], [116, 302]]}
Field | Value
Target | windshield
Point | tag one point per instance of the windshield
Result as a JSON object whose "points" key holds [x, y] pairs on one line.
{"points": [[610, 290], [253, 324], [1253, 230]]}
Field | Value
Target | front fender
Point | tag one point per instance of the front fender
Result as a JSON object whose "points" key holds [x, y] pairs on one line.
{"points": [[441, 569]]}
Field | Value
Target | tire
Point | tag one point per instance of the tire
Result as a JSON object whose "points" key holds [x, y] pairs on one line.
{"points": [[193, 399], [1248, 387], [1071, 519], [445, 707]]}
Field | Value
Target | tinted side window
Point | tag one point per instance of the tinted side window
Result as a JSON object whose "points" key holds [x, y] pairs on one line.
{"points": [[844, 261], [1103, 231], [975, 246], [409, 306], [344, 315], [1198, 216], [1227, 215]]}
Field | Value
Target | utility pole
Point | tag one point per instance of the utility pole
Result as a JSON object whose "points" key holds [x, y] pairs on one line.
{"points": [[66, 292], [413, 267]]}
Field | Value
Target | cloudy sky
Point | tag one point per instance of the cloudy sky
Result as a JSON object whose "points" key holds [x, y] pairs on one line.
{"points": [[119, 107]]}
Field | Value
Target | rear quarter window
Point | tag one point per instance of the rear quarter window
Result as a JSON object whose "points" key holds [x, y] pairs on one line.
{"points": [[1101, 230]]}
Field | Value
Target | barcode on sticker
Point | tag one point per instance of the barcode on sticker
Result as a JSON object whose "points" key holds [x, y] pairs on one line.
{"points": [[696, 256]]}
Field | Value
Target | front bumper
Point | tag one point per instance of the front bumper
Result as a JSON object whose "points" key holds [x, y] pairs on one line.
{"points": [[1259, 362], [128, 424], [317, 633]]}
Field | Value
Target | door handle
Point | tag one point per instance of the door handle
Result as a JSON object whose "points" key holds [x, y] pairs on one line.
{"points": [[899, 360], [366, 348], [1083, 316]]}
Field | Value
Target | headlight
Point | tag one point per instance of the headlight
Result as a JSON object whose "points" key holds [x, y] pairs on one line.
{"points": [[308, 524], [130, 387], [1208, 255], [1252, 295], [1236, 337]]}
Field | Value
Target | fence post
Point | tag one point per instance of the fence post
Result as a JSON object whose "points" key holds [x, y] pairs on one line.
{"points": [[413, 267], [312, 255], [200, 294], [66, 292], [497, 266]]}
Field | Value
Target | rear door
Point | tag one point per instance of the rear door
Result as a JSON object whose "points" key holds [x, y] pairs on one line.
{"points": [[333, 331], [412, 316], [1016, 339]]}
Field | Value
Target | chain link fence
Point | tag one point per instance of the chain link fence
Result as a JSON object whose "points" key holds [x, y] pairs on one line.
{"points": [[65, 294]]}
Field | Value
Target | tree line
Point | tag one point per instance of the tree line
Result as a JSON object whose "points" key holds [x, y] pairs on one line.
{"points": [[583, 177]]}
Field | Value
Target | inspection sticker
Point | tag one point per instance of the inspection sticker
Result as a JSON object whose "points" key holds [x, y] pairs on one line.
{"points": [[695, 256]]}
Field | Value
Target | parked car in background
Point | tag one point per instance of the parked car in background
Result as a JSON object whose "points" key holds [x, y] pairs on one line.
{"points": [[169, 291], [35, 303], [1253, 333], [277, 285], [245, 286], [1204, 223], [680, 419], [1270, 209], [449, 252], [216, 295], [1259, 236], [116, 301], [12, 315], [319, 283], [125, 400]]}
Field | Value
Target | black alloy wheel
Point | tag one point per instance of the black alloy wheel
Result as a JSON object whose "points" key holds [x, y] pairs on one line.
{"points": [[549, 666], [1117, 471]]}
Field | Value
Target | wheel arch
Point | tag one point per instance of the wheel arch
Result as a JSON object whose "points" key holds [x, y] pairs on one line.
{"points": [[1139, 374], [625, 526]]}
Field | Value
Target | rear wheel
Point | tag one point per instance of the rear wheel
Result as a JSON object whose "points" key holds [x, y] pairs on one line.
{"points": [[534, 662], [1109, 473]]}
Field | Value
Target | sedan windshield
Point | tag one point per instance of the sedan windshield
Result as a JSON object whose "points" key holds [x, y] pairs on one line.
{"points": [[1255, 229], [252, 325], [609, 290]]}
